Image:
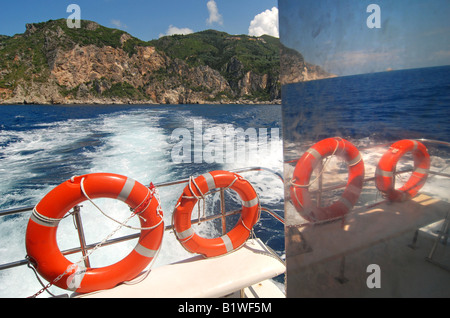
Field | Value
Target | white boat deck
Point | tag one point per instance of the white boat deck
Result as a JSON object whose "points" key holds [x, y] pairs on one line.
{"points": [[199, 277], [331, 259]]}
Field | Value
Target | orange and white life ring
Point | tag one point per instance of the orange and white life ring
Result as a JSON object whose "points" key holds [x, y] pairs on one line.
{"points": [[42, 247], [195, 190], [299, 192], [384, 175]]}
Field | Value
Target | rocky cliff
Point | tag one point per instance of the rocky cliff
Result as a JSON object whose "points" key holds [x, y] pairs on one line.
{"points": [[295, 69], [52, 64]]}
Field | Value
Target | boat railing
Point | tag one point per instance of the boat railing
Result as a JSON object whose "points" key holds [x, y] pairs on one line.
{"points": [[84, 248], [321, 189], [223, 214], [437, 230]]}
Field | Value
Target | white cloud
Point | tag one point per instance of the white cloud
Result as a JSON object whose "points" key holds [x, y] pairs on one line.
{"points": [[265, 23], [214, 15], [172, 30], [118, 24]]}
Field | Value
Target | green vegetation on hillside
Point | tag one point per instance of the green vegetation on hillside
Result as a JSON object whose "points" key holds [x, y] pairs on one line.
{"points": [[216, 49], [28, 58]]}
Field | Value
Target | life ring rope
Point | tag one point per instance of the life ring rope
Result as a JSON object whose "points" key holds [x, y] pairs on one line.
{"points": [[202, 195], [143, 201], [197, 189], [47, 221], [247, 204], [321, 153], [152, 193], [385, 171], [317, 155]]}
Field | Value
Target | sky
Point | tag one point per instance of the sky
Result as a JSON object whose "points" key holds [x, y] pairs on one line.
{"points": [[336, 34], [150, 19]]}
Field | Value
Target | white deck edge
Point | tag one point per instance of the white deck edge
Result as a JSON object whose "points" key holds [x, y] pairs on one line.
{"points": [[199, 277]]}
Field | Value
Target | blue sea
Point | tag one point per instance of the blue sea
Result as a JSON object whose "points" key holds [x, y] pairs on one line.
{"points": [[386, 106], [372, 111], [42, 146]]}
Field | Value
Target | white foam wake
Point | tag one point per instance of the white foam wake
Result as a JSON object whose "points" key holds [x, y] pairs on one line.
{"points": [[130, 143]]}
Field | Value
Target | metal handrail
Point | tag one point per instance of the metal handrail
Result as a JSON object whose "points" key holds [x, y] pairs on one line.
{"points": [[318, 192], [222, 215], [86, 247], [425, 140], [343, 185]]}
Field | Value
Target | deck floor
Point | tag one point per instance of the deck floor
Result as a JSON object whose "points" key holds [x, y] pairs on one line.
{"points": [[332, 259]]}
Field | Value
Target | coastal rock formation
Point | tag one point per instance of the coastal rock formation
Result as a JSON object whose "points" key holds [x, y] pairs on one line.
{"points": [[295, 69], [53, 64]]}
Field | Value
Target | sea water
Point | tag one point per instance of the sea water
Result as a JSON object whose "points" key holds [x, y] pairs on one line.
{"points": [[372, 111], [43, 146]]}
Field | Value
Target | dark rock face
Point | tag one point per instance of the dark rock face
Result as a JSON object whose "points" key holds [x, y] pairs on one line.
{"points": [[51, 63]]}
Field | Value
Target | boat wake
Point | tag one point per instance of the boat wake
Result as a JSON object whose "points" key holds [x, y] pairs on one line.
{"points": [[134, 143]]}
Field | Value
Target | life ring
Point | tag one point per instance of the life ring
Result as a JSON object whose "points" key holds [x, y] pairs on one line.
{"points": [[384, 175], [299, 192], [42, 247], [236, 237]]}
